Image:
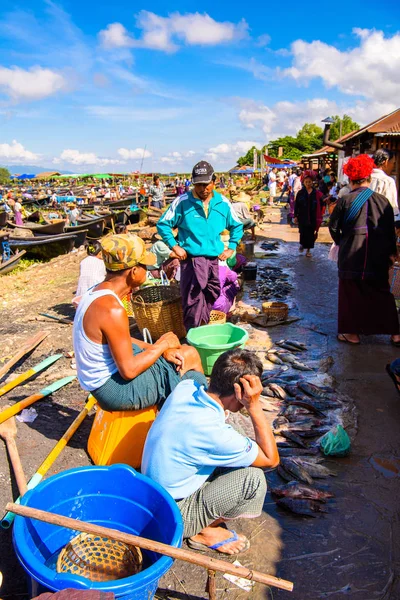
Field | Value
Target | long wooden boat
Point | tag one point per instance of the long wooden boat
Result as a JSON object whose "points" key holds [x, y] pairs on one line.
{"points": [[79, 235], [95, 227], [3, 219], [10, 264], [40, 248], [57, 226]]}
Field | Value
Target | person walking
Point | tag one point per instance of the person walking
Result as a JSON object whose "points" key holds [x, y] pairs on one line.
{"points": [[156, 193], [200, 216], [381, 181], [362, 225], [308, 212], [272, 184]]}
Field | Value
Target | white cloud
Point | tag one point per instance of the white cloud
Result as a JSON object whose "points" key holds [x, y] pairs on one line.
{"points": [[286, 118], [137, 153], [190, 153], [16, 153], [115, 36], [230, 151], [253, 66], [263, 40], [163, 33], [75, 157], [33, 84], [371, 69]]}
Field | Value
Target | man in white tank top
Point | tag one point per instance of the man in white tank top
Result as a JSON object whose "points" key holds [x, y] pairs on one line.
{"points": [[121, 372]]}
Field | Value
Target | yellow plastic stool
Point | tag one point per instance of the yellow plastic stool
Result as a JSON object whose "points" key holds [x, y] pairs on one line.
{"points": [[119, 436]]}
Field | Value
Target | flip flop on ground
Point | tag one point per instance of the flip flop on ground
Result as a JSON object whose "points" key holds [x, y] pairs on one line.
{"points": [[219, 546], [341, 337]]}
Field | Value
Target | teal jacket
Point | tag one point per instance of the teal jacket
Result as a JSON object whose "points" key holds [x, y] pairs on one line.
{"points": [[197, 234]]}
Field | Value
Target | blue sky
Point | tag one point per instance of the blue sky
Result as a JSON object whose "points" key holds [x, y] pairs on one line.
{"points": [[93, 87]]}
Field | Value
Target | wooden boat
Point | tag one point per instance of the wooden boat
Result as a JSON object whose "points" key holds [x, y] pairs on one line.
{"points": [[3, 219], [34, 217], [44, 248], [79, 235], [57, 226], [10, 264], [95, 227]]}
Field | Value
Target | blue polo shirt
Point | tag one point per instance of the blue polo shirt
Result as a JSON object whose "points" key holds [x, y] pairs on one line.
{"points": [[189, 439]]}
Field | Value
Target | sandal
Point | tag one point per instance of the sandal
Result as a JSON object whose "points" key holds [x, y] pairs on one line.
{"points": [[203, 547], [341, 337], [393, 377]]}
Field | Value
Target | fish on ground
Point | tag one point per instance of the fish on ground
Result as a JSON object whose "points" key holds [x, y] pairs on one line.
{"points": [[320, 404], [286, 346], [292, 389], [314, 469], [313, 390], [273, 358], [296, 344], [295, 489], [291, 451], [297, 471], [299, 506], [301, 366], [293, 437], [303, 402], [278, 390]]}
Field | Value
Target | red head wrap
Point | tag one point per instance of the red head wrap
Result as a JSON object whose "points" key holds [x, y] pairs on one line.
{"points": [[359, 167], [310, 173]]}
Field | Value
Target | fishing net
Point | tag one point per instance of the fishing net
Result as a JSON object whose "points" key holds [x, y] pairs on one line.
{"points": [[336, 442]]}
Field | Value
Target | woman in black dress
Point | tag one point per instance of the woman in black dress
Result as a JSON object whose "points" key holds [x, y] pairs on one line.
{"points": [[362, 225], [308, 212]]}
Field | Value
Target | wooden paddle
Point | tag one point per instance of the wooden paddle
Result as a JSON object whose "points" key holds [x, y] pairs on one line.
{"points": [[27, 347], [8, 432]]}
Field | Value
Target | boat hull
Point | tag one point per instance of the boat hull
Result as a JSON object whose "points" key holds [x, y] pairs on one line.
{"points": [[11, 263], [44, 249], [47, 229], [79, 235]]}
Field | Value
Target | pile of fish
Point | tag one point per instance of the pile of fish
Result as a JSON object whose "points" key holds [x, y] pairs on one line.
{"points": [[270, 246], [271, 283], [306, 412]]}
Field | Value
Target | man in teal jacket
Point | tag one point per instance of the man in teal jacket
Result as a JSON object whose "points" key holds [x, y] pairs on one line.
{"points": [[200, 217]]}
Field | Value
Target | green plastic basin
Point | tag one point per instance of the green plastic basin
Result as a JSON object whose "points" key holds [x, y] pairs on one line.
{"points": [[213, 340]]}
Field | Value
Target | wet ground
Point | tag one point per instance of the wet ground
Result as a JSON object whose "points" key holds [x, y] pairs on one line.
{"points": [[354, 550]]}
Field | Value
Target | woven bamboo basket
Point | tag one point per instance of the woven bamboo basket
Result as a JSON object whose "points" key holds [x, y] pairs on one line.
{"points": [[217, 317], [99, 558], [159, 309], [127, 305], [275, 311]]}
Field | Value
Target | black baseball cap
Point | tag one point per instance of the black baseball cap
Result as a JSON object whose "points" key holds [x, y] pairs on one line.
{"points": [[202, 172]]}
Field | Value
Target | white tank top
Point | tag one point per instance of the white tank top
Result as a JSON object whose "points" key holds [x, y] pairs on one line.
{"points": [[94, 362]]}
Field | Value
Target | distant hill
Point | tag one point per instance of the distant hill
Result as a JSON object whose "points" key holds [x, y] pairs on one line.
{"points": [[33, 170]]}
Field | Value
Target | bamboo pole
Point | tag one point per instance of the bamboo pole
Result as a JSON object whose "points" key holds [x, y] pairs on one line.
{"points": [[30, 373], [208, 563], [52, 456], [18, 406], [27, 347]]}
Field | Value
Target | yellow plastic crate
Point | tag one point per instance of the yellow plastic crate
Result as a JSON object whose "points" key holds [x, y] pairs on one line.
{"points": [[119, 436]]}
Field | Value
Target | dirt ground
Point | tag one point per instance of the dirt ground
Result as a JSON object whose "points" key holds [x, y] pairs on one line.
{"points": [[352, 551]]}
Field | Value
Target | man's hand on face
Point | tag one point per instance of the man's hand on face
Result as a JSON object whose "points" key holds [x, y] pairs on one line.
{"points": [[226, 254], [250, 395], [180, 252]]}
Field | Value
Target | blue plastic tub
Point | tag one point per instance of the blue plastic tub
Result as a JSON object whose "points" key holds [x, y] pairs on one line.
{"points": [[116, 497]]}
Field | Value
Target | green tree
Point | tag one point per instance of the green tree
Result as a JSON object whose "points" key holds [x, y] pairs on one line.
{"points": [[341, 126], [4, 175]]}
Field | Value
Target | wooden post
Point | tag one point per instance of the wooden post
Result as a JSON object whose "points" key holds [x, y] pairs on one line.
{"points": [[211, 587]]}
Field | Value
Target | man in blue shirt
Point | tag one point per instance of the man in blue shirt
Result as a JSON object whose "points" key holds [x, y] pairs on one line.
{"points": [[207, 466], [200, 216]]}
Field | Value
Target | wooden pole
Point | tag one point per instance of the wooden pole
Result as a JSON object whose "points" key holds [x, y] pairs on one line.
{"points": [[7, 520], [27, 347], [211, 588], [211, 564]]}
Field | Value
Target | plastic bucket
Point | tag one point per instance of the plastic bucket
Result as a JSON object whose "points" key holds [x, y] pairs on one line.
{"points": [[116, 497], [213, 340], [249, 272]]}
